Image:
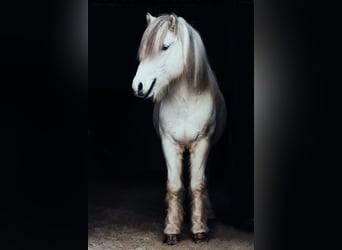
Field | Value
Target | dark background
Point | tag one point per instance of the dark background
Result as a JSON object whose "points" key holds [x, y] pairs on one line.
{"points": [[44, 121], [122, 139]]}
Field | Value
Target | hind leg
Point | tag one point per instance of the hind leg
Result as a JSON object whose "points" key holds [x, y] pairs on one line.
{"points": [[173, 156], [198, 157], [207, 206]]}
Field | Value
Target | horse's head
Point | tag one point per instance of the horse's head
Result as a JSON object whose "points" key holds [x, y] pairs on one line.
{"points": [[161, 56]]}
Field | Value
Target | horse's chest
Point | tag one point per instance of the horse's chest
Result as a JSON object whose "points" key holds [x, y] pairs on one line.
{"points": [[186, 120]]}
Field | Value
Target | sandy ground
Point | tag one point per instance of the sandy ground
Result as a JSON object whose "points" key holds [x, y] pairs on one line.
{"points": [[126, 216]]}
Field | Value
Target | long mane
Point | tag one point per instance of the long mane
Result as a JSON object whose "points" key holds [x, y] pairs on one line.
{"points": [[153, 37], [197, 70]]}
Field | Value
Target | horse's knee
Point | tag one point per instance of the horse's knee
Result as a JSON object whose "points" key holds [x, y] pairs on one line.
{"points": [[197, 186], [174, 187]]}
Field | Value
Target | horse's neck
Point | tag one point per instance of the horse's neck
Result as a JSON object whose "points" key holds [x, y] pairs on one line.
{"points": [[181, 90]]}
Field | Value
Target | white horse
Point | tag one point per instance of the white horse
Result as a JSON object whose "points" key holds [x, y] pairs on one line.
{"points": [[189, 112]]}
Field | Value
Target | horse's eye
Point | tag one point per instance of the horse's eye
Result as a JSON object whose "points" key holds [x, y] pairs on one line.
{"points": [[165, 47]]}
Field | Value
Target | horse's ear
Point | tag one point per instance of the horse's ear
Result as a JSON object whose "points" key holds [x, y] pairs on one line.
{"points": [[149, 18], [172, 22]]}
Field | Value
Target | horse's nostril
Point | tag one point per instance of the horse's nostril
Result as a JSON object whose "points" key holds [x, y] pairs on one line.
{"points": [[140, 86]]}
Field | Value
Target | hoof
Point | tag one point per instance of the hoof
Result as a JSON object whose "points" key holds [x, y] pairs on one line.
{"points": [[171, 239], [200, 237]]}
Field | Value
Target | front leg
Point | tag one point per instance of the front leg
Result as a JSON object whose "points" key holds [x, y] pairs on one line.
{"points": [[173, 155], [198, 157]]}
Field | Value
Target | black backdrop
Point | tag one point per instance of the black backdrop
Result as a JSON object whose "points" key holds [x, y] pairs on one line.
{"points": [[44, 118], [122, 139]]}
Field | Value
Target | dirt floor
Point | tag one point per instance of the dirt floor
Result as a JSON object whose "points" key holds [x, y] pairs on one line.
{"points": [[126, 216]]}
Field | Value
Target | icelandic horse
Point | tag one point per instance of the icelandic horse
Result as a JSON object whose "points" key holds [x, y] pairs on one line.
{"points": [[189, 112]]}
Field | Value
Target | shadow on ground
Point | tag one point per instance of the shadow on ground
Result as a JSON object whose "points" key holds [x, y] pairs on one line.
{"points": [[129, 214]]}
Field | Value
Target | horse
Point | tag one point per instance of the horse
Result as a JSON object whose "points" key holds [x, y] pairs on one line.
{"points": [[189, 112]]}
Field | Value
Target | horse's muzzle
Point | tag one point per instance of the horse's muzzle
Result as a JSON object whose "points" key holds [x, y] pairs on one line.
{"points": [[140, 93], [150, 89]]}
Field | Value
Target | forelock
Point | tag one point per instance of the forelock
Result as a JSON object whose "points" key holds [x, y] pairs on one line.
{"points": [[153, 37]]}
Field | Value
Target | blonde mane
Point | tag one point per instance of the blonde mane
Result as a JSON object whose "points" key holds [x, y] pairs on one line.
{"points": [[196, 69]]}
